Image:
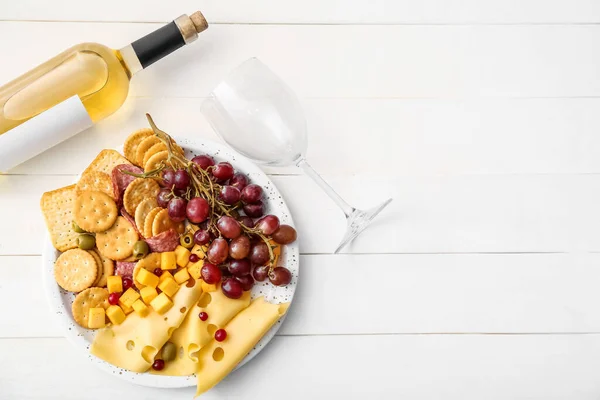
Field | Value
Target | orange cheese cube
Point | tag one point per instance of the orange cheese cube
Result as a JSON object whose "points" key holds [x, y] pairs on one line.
{"points": [[182, 276], [162, 303], [165, 275], [140, 308], [168, 260], [114, 284], [126, 309], [115, 314], [194, 268], [148, 294], [147, 278], [200, 251], [206, 287], [96, 318], [182, 256], [169, 287], [129, 297]]}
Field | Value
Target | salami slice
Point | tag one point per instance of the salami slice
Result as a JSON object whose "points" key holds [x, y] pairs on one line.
{"points": [[121, 181], [131, 220], [165, 241], [125, 269]]}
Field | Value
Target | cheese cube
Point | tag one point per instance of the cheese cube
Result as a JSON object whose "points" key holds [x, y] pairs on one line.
{"points": [[169, 287], [182, 256], [168, 260], [161, 303], [147, 278], [208, 287], [194, 268], [148, 294], [182, 276], [200, 251], [126, 309], [165, 275], [129, 297], [114, 284], [96, 318], [115, 314], [140, 308]]}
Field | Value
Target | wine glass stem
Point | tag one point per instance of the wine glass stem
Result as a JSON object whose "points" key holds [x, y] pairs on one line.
{"points": [[346, 208]]}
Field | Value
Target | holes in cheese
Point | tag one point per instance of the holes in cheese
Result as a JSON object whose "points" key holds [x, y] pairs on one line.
{"points": [[182, 310], [205, 300], [148, 353], [211, 329], [218, 354], [130, 345]]}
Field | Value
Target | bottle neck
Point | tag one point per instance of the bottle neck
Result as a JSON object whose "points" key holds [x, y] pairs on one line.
{"points": [[147, 50]]}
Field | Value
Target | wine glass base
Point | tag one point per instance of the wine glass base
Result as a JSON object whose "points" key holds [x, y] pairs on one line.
{"points": [[358, 221]]}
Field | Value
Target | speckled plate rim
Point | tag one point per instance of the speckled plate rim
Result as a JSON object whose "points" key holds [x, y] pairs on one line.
{"points": [[60, 300]]}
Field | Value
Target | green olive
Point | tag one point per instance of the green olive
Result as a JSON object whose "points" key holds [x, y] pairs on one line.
{"points": [[169, 351], [76, 228], [86, 242], [140, 249], [187, 240]]}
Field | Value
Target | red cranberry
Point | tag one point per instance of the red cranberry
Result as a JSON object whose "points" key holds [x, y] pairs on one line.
{"points": [[113, 298], [127, 283], [158, 271], [194, 258], [220, 335], [203, 316], [158, 365]]}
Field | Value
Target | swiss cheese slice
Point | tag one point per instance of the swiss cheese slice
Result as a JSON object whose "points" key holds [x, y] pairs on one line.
{"points": [[133, 344], [217, 359], [194, 333]]}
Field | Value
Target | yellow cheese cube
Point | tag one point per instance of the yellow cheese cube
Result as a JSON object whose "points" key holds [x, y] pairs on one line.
{"points": [[194, 268], [208, 287], [96, 318], [162, 303], [146, 278], [165, 275], [114, 284], [182, 256], [169, 287], [129, 297], [148, 294], [200, 251], [182, 276], [168, 260], [126, 309], [115, 314], [140, 308]]}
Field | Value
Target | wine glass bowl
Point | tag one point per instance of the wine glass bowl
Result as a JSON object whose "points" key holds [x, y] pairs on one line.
{"points": [[259, 116]]}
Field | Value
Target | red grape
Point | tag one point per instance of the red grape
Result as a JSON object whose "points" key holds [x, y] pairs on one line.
{"points": [[203, 316], [247, 221], [168, 176], [127, 283], [203, 161], [261, 273], [158, 365], [197, 210], [229, 194], [210, 273], [232, 288], [176, 209], [193, 258], [254, 210], [240, 267], [267, 224], [247, 282], [218, 251], [223, 171], [220, 335], [113, 298], [280, 276], [181, 180], [229, 227], [201, 237], [239, 247], [239, 181], [163, 197], [259, 253], [252, 194], [285, 234]]}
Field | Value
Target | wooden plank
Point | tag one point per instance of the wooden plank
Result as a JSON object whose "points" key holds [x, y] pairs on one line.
{"points": [[477, 213], [350, 61], [405, 137], [316, 11], [425, 294], [461, 367]]}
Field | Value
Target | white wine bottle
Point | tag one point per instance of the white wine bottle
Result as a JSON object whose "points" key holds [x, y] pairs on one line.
{"points": [[77, 88]]}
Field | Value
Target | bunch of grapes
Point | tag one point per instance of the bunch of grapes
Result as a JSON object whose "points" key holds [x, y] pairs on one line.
{"points": [[229, 211]]}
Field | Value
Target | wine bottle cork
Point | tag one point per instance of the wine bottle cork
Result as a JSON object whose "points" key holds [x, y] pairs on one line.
{"points": [[199, 21], [191, 26]]}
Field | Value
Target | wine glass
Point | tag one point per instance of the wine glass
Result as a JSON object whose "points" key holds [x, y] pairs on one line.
{"points": [[258, 115]]}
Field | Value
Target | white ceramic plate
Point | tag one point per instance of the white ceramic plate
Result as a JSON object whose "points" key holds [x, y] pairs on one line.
{"points": [[60, 301]]}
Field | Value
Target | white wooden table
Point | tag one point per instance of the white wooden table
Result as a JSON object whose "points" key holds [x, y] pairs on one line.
{"points": [[480, 117]]}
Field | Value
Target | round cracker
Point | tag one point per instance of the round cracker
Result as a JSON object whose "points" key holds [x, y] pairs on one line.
{"points": [[137, 191], [163, 223], [157, 148], [142, 211], [94, 211], [156, 160], [117, 242], [89, 298], [99, 266], [143, 147], [149, 221], [95, 181], [150, 262], [133, 141], [108, 269], [75, 270]]}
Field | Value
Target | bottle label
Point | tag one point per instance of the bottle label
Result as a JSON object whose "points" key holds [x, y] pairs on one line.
{"points": [[42, 132]]}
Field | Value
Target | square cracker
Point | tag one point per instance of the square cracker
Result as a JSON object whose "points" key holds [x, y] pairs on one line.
{"points": [[57, 207], [106, 161]]}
